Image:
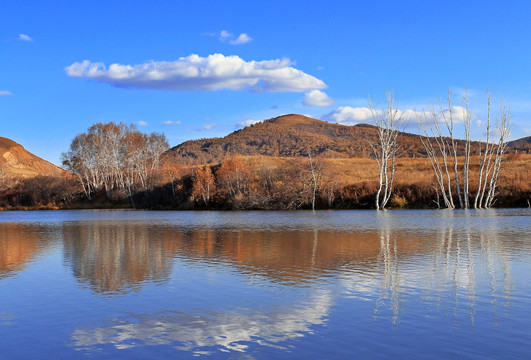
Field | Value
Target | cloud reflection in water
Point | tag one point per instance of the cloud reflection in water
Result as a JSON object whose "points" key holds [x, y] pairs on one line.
{"points": [[203, 333]]}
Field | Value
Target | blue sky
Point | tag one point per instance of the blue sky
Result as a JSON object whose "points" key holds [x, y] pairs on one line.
{"points": [[196, 69]]}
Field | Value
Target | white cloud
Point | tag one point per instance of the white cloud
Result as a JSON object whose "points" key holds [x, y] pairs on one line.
{"points": [[209, 126], [527, 131], [412, 115], [225, 36], [169, 122], [24, 37], [347, 115], [459, 114], [5, 93], [317, 98], [142, 123], [247, 122], [242, 39], [194, 72]]}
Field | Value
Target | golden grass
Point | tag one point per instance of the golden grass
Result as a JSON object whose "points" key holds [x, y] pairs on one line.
{"points": [[515, 171]]}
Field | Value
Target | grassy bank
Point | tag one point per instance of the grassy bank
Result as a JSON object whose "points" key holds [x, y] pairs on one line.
{"points": [[260, 182]]}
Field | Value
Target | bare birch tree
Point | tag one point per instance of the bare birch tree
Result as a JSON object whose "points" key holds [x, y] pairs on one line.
{"points": [[389, 122], [114, 156], [445, 155], [79, 161], [331, 180], [234, 178], [485, 158], [204, 185], [437, 153], [467, 122], [491, 155], [171, 172], [316, 171], [447, 149]]}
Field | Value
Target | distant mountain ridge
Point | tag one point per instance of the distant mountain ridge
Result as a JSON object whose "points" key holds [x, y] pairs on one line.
{"points": [[15, 161], [288, 136], [292, 135], [523, 144]]}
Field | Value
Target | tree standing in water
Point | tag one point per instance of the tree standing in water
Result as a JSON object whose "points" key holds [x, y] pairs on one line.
{"points": [[447, 148], [389, 122]]}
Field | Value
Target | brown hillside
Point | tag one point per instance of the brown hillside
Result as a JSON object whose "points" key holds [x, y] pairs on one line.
{"points": [[288, 136], [15, 161], [291, 136], [520, 145]]}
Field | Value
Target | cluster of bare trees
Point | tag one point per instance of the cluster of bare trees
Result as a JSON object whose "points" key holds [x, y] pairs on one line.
{"points": [[491, 156], [115, 157], [204, 185], [442, 148], [445, 151], [390, 121]]}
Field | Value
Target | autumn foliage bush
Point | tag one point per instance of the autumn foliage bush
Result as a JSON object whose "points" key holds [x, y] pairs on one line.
{"points": [[39, 192], [264, 182]]}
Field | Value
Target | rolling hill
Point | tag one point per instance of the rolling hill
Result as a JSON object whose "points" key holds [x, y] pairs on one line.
{"points": [[520, 145], [15, 161], [288, 136], [292, 135]]}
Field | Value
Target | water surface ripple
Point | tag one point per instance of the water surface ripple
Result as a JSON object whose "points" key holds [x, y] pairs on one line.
{"points": [[264, 285]]}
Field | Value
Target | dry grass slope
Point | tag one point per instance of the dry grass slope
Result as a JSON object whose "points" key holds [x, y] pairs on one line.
{"points": [[15, 161], [292, 136]]}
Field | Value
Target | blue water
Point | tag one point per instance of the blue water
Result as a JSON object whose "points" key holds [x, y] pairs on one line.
{"points": [[265, 285]]}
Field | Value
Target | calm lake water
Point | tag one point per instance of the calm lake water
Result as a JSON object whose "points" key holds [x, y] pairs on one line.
{"points": [[265, 285]]}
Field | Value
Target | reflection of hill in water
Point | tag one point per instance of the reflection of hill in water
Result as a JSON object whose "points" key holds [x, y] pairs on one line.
{"points": [[452, 271], [119, 257], [19, 244], [290, 256], [116, 258]]}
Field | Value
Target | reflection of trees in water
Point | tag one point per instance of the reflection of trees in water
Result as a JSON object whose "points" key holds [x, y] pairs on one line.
{"points": [[211, 331], [498, 268], [449, 269], [289, 256], [19, 244], [458, 259], [116, 258], [100, 253], [388, 263]]}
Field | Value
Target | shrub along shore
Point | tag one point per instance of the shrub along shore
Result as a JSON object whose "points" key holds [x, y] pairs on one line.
{"points": [[269, 183]]}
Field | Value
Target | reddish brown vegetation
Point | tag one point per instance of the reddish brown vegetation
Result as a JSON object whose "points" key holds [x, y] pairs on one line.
{"points": [[285, 183], [263, 181], [292, 136]]}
